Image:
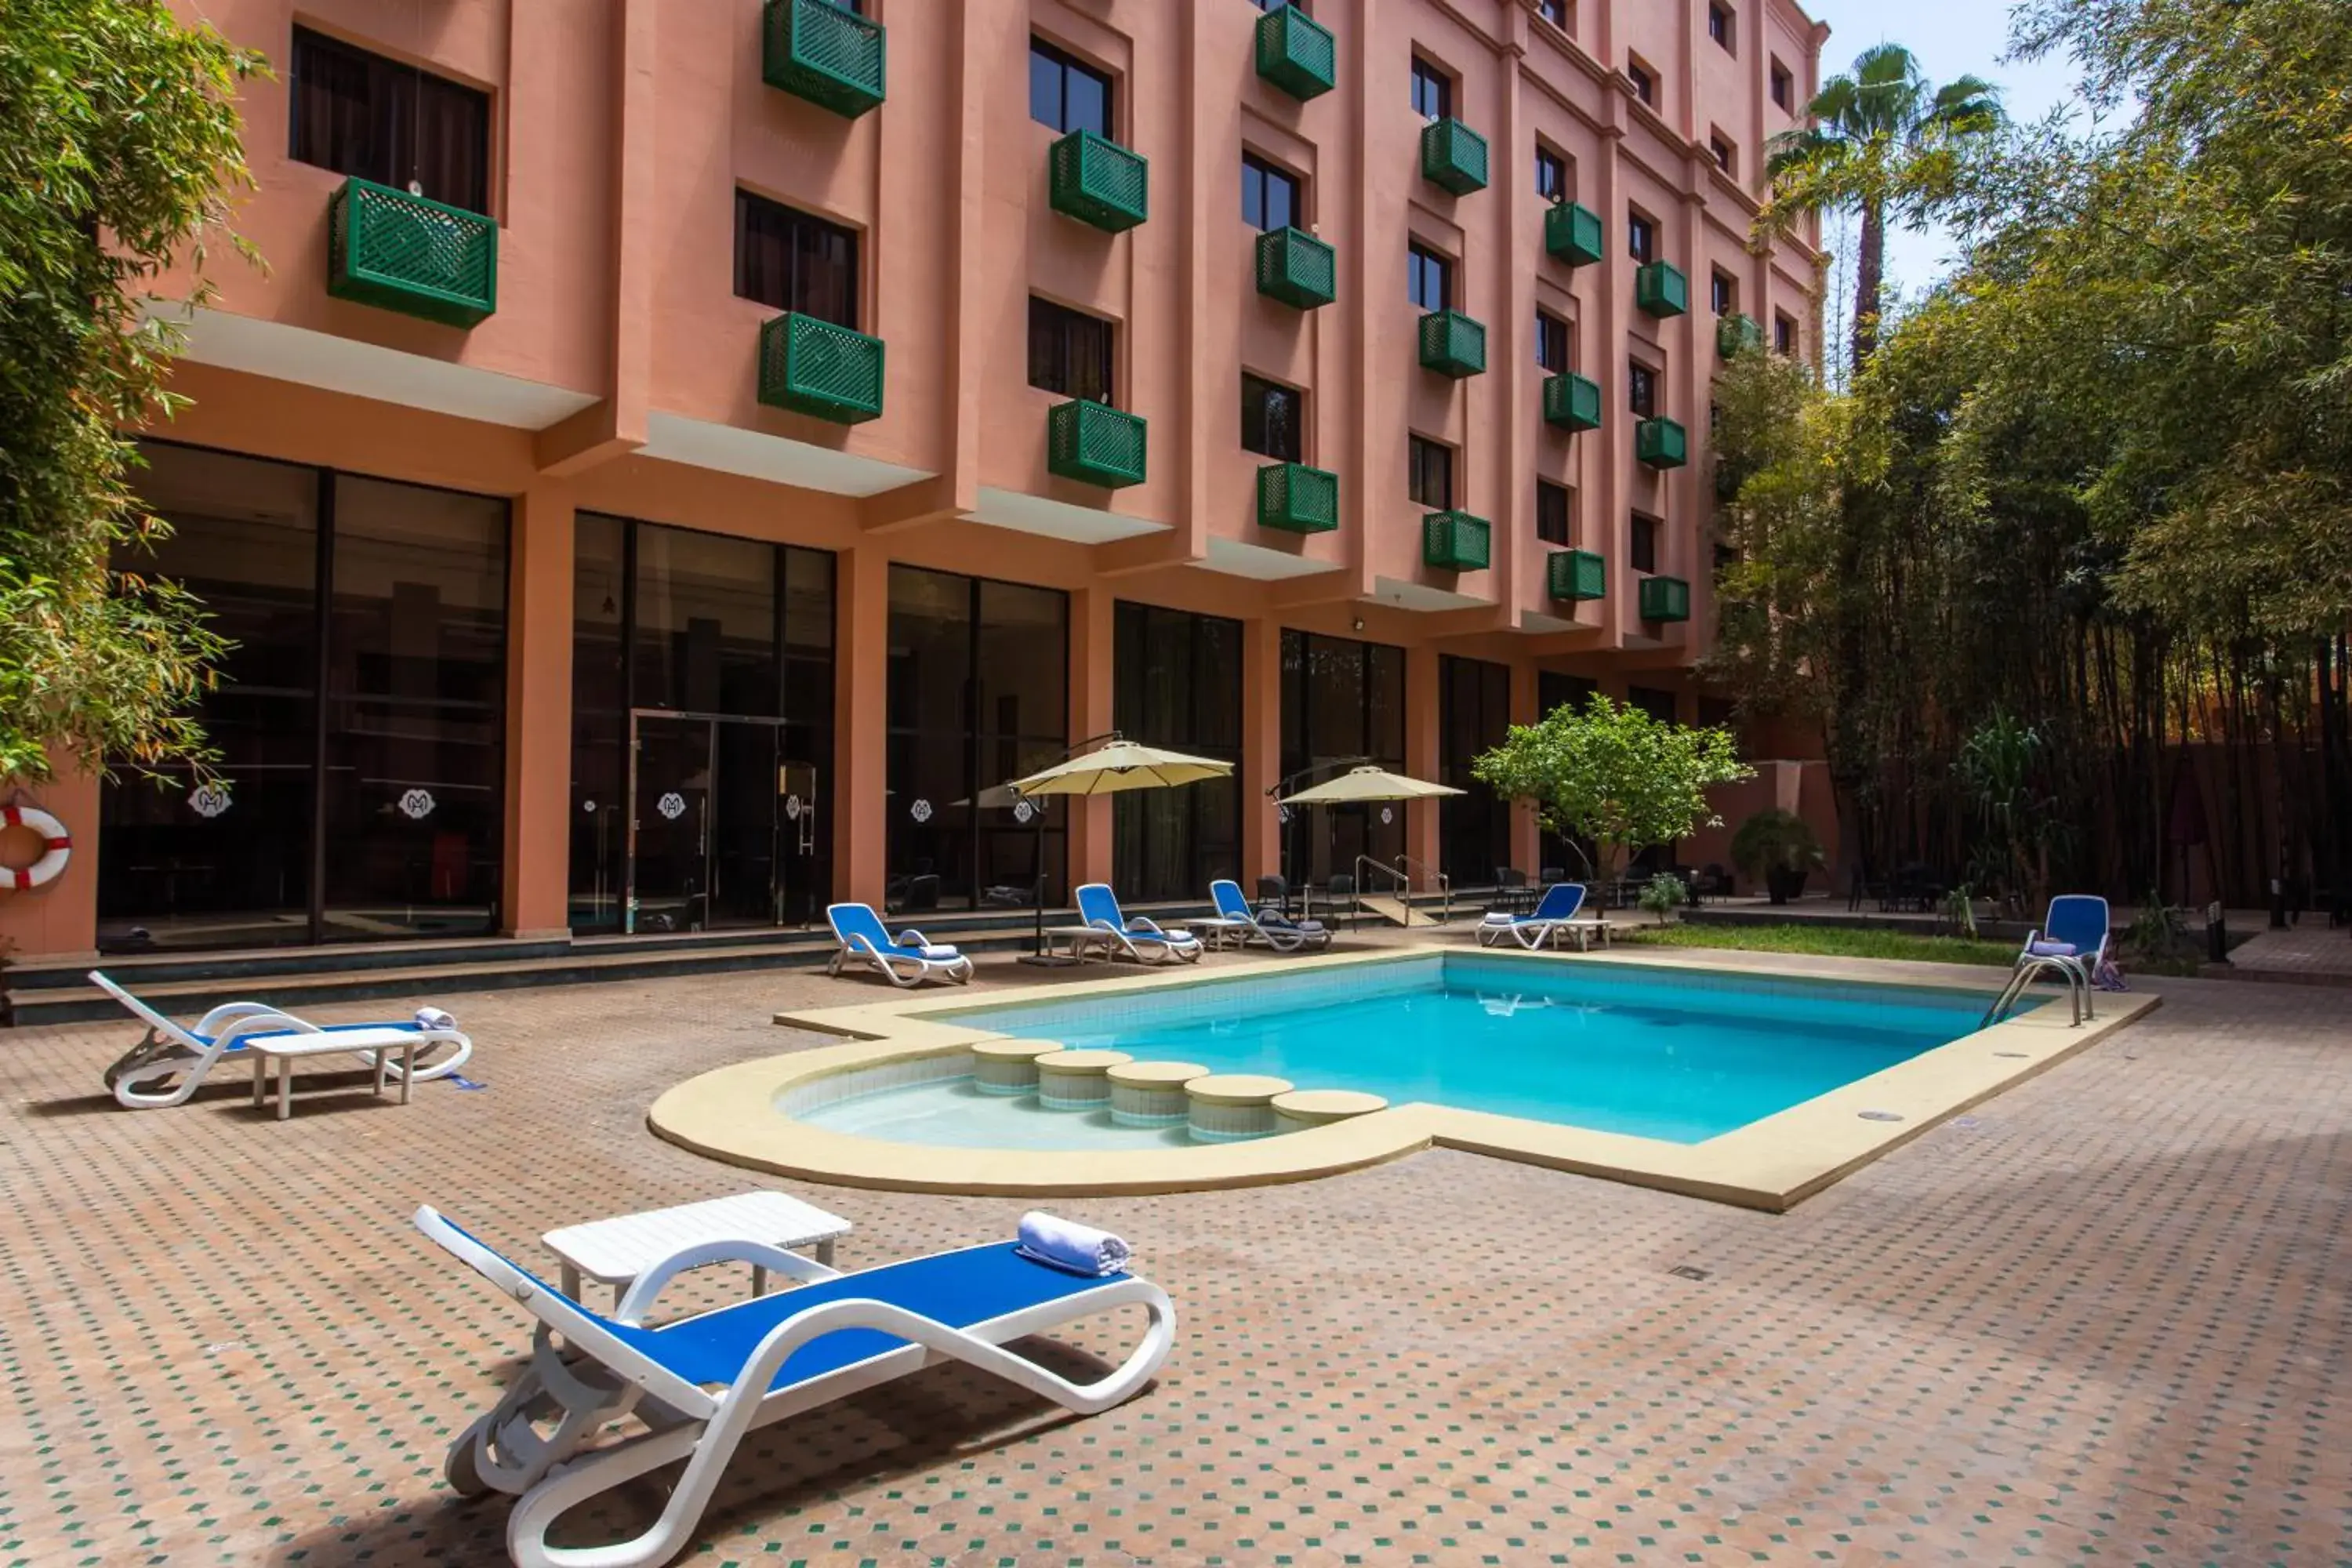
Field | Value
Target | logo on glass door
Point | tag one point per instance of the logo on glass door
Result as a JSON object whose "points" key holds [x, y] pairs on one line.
{"points": [[417, 804], [208, 801], [671, 805], [921, 811]]}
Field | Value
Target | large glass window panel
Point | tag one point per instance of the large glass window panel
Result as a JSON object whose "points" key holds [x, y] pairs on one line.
{"points": [[229, 863], [415, 731], [706, 631], [1342, 700], [1473, 713], [599, 722], [359, 114], [1176, 680], [928, 802], [791, 260]]}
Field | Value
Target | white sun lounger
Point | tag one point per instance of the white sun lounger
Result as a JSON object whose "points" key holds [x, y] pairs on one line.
{"points": [[1555, 914], [1275, 931], [907, 959], [189, 1052], [1141, 938], [700, 1384]]}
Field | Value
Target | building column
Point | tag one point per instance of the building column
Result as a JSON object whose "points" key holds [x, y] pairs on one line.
{"points": [[1260, 764], [57, 921], [861, 713], [535, 889], [1420, 750], [1526, 823], [1093, 635]]}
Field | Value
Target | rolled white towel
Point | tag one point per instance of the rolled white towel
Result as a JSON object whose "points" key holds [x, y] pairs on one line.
{"points": [[434, 1018], [939, 953], [2054, 949], [1073, 1248]]}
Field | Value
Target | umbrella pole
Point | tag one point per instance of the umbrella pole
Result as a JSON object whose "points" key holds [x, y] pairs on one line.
{"points": [[1038, 864]]}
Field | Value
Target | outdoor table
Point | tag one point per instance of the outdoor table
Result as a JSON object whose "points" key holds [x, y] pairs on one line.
{"points": [[616, 1251], [281, 1051]]}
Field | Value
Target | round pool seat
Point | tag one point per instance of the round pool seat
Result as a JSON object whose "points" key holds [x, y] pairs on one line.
{"points": [[1077, 1081], [1009, 1066], [1151, 1094], [1304, 1107], [1228, 1107]]}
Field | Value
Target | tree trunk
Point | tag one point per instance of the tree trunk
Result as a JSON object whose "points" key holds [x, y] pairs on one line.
{"points": [[1869, 280]]}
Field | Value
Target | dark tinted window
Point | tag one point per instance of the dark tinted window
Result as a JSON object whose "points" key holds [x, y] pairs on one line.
{"points": [[1272, 420], [1269, 195], [1645, 86], [793, 261], [1657, 702], [1640, 238], [359, 114], [1645, 543], [1553, 11], [1429, 280], [1784, 334], [1725, 294], [1641, 389], [1551, 176], [1433, 92], [1721, 27], [1784, 86], [1065, 93], [1552, 342], [1430, 476], [1069, 352], [1551, 512]]}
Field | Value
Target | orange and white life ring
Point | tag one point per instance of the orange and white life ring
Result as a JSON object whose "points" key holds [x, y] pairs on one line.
{"points": [[57, 846]]}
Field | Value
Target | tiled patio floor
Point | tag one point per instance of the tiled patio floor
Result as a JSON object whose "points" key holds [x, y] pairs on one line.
{"points": [[2103, 1319]]}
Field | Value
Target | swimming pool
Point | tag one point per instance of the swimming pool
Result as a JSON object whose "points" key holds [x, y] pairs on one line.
{"points": [[1681, 1057]]}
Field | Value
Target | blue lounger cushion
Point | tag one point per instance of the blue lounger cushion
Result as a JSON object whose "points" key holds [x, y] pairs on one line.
{"points": [[410, 1025]]}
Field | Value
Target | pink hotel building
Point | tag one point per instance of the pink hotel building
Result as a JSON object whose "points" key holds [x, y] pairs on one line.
{"points": [[679, 458]]}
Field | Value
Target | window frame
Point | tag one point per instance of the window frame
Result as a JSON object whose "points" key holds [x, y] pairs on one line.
{"points": [[1723, 292], [1552, 160], [1063, 318], [1428, 73], [1425, 455], [751, 203], [1565, 533], [1723, 28], [1641, 543], [1067, 63], [1548, 326], [393, 91], [1786, 336], [1555, 12], [1644, 81], [1783, 86], [1645, 386], [1263, 392], [1418, 258], [1640, 236], [1724, 153], [1264, 171]]}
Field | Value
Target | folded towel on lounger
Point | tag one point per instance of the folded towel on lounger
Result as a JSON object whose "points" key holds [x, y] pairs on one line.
{"points": [[434, 1018], [1071, 1246], [2053, 949], [939, 955]]}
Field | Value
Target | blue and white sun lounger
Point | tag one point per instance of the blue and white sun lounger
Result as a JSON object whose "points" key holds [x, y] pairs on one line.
{"points": [[907, 959], [1278, 933], [1554, 913], [699, 1384], [140, 1080], [1141, 939]]}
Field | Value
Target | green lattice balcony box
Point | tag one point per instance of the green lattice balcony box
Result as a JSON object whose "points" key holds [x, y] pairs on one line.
{"points": [[1294, 267], [405, 253], [1575, 233], [1575, 575], [1100, 182], [812, 366], [1095, 443], [1455, 542], [824, 53], [1665, 599], [1661, 289], [1662, 444], [1453, 344], [1452, 156], [1571, 402], [1737, 335], [1295, 53], [1296, 498]]}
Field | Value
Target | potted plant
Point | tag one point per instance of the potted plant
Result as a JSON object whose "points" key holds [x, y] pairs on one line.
{"points": [[1779, 848]]}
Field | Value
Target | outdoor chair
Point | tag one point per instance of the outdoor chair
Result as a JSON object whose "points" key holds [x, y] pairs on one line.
{"points": [[1140, 938], [906, 960], [1555, 916], [1276, 931]]}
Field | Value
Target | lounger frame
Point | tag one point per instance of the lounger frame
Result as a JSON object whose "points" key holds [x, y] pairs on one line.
{"points": [[902, 969], [1139, 937]]}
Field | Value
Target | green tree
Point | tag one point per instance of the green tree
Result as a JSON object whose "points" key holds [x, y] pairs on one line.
{"points": [[1883, 142], [1613, 774], [117, 147]]}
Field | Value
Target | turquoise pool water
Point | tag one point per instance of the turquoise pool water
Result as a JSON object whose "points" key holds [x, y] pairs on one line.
{"points": [[1681, 1055]]}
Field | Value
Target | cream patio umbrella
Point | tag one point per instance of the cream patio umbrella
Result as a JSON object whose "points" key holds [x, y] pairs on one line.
{"points": [[1118, 765], [1362, 785]]}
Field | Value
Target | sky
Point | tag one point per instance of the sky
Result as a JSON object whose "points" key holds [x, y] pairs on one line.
{"points": [[1950, 37]]}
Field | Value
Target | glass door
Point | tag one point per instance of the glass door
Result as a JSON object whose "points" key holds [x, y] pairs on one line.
{"points": [[747, 819], [669, 822]]}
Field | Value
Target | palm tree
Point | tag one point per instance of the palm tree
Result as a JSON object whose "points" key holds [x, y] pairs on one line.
{"points": [[1881, 140]]}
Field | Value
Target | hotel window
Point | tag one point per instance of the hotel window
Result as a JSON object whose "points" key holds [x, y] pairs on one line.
{"points": [[1722, 27], [1301, 6], [1069, 352], [1552, 506], [1433, 92], [1272, 420], [1430, 473], [1725, 156], [1552, 342], [1645, 82], [1641, 239], [791, 261], [359, 114], [1725, 291], [1066, 93], [1269, 195], [1641, 389], [1644, 550], [1551, 176], [1784, 87], [1429, 278], [1553, 11], [1784, 334]]}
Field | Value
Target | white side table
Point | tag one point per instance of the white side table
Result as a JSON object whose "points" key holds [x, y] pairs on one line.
{"points": [[616, 1251], [280, 1051]]}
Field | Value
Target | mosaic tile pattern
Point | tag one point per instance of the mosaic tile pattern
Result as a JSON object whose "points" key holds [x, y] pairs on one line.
{"points": [[2103, 1319]]}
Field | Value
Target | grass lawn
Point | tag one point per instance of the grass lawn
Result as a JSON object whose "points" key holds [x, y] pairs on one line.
{"points": [[1834, 942]]}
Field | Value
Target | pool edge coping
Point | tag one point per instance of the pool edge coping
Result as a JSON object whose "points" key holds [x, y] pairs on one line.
{"points": [[1771, 1164]]}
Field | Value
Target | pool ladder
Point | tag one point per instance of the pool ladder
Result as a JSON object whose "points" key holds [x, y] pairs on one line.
{"points": [[2031, 967]]}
